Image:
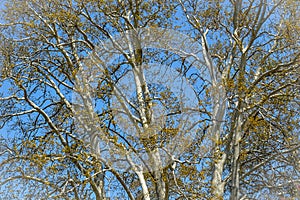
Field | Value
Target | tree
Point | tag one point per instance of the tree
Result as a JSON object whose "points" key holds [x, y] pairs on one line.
{"points": [[183, 99], [253, 78]]}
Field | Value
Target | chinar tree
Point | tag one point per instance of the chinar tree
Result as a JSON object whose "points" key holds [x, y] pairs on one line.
{"points": [[133, 99]]}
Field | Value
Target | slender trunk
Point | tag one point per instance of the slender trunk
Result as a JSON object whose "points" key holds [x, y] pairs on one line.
{"points": [[217, 183], [142, 179], [219, 105], [237, 131], [160, 185], [235, 162], [235, 159], [146, 116], [99, 181]]}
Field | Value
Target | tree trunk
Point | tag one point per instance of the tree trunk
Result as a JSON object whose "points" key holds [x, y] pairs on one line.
{"points": [[235, 166]]}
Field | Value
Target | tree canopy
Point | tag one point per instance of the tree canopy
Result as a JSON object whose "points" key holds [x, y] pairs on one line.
{"points": [[149, 99]]}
